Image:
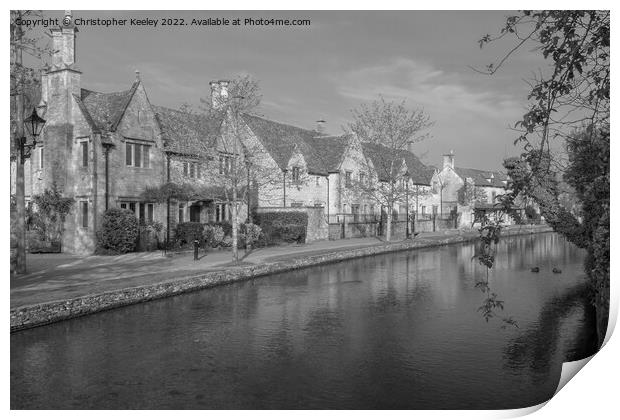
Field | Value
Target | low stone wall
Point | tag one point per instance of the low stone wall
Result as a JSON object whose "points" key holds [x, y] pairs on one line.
{"points": [[46, 313]]}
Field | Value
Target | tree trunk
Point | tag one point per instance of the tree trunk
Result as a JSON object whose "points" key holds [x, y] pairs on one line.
{"points": [[20, 184], [235, 225], [388, 231]]}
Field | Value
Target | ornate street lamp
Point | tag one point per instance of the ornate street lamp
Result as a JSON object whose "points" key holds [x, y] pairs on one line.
{"points": [[33, 125]]}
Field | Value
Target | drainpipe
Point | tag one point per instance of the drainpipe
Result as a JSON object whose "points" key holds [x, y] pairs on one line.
{"points": [[167, 201], [106, 153], [327, 177], [284, 186]]}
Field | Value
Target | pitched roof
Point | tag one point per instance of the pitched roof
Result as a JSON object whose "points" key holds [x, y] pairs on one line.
{"points": [[104, 111], [483, 178], [323, 154], [187, 132], [382, 158]]}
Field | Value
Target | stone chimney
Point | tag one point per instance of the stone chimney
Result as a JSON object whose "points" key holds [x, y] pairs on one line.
{"points": [[219, 93], [63, 43], [448, 160], [320, 126]]}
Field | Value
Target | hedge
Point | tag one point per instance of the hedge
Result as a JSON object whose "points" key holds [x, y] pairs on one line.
{"points": [[119, 231], [282, 227]]}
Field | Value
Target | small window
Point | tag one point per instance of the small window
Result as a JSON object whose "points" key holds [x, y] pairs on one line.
{"points": [[84, 206], [146, 156], [362, 178], [128, 154], [225, 164], [149, 212], [142, 214], [296, 174], [185, 168], [137, 150], [181, 213], [132, 207], [192, 170], [41, 157], [197, 170], [123, 205], [347, 178], [221, 212], [423, 209], [84, 146]]}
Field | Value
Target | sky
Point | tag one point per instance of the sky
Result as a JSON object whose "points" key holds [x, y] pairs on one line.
{"points": [[324, 70]]}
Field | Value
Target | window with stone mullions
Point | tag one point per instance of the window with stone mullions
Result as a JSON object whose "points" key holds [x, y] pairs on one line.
{"points": [[137, 155]]}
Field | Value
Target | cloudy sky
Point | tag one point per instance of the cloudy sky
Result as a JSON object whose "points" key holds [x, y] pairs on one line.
{"points": [[324, 70]]}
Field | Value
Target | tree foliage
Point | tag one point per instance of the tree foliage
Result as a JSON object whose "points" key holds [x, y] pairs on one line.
{"points": [[569, 103]]}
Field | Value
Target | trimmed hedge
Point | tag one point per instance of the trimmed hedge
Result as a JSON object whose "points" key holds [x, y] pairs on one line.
{"points": [[282, 227], [119, 231], [188, 232]]}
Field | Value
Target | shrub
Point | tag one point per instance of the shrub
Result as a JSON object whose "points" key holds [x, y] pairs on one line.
{"points": [[188, 232], [119, 231], [213, 235], [251, 233]]}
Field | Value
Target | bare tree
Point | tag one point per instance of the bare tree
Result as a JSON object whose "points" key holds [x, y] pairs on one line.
{"points": [[238, 172], [386, 130]]}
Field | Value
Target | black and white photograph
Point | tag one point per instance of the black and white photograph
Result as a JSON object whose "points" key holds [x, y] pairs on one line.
{"points": [[307, 209]]}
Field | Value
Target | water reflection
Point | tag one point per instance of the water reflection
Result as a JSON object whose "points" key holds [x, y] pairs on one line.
{"points": [[391, 331]]}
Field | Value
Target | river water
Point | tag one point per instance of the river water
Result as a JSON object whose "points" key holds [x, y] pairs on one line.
{"points": [[399, 330]]}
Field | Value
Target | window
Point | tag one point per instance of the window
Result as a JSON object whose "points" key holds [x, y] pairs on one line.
{"points": [[225, 164], [493, 195], [362, 178], [221, 212], [318, 181], [297, 204], [191, 169], [423, 209], [142, 214], [137, 155], [181, 213], [128, 154], [149, 212], [347, 178], [296, 174], [84, 146], [132, 207], [41, 158], [435, 208], [84, 208]]}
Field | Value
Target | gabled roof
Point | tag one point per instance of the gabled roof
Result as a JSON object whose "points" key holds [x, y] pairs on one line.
{"points": [[483, 178], [323, 154], [186, 132], [382, 158], [104, 111]]}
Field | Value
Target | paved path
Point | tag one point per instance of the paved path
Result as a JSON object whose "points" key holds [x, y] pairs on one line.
{"points": [[54, 277]]}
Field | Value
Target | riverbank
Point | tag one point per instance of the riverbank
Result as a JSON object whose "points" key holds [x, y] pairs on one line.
{"points": [[102, 283]]}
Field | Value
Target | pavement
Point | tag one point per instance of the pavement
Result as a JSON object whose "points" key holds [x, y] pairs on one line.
{"points": [[57, 277]]}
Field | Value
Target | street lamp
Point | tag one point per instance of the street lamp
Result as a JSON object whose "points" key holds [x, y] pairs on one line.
{"points": [[407, 233], [33, 125]]}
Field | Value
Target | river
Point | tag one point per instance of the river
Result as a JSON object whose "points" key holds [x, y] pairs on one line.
{"points": [[398, 330]]}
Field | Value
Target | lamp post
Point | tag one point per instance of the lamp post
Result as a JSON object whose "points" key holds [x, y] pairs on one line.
{"points": [[407, 233], [33, 125]]}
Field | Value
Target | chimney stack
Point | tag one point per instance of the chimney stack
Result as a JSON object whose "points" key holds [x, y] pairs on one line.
{"points": [[63, 43], [448, 160], [320, 126], [219, 93]]}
